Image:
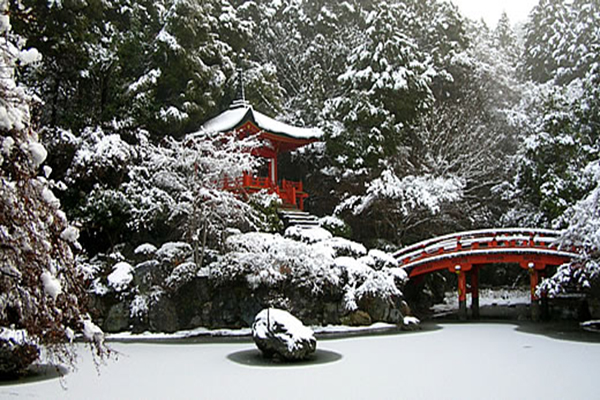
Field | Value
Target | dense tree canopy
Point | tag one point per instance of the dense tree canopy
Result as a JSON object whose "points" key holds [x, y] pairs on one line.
{"points": [[408, 89]]}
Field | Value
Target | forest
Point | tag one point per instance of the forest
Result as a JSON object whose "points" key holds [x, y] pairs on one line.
{"points": [[433, 124]]}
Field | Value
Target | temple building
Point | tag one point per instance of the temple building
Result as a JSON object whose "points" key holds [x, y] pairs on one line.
{"points": [[277, 138]]}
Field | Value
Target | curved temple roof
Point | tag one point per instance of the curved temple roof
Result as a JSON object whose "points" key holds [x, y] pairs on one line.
{"points": [[242, 112]]}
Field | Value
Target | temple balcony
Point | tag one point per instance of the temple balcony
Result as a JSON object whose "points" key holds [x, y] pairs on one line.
{"points": [[290, 192]]}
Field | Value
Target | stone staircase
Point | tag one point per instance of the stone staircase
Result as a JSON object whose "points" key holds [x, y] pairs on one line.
{"points": [[298, 218]]}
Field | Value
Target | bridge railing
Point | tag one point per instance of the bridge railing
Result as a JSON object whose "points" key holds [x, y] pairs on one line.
{"points": [[476, 240]]}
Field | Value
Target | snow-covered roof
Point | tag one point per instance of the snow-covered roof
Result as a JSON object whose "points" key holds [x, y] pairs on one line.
{"points": [[242, 112]]}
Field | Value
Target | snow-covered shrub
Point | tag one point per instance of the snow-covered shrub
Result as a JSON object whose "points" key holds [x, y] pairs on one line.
{"points": [[101, 157], [409, 193], [577, 276], [307, 235], [182, 274], [380, 259], [174, 252], [266, 260], [120, 277], [362, 280], [139, 307], [336, 226], [146, 249], [342, 247]]}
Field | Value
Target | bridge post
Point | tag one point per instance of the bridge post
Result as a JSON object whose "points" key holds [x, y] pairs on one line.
{"points": [[462, 293], [534, 279], [475, 292]]}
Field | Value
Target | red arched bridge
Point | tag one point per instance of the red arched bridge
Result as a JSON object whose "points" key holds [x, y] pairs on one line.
{"points": [[463, 253]]}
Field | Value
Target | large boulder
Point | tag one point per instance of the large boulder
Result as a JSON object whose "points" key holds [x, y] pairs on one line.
{"points": [[278, 334]]}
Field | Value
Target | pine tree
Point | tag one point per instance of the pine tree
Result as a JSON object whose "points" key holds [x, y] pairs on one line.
{"points": [[547, 31], [585, 48], [504, 35]]}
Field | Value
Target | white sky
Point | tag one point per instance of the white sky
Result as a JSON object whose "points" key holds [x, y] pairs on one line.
{"points": [[490, 10]]}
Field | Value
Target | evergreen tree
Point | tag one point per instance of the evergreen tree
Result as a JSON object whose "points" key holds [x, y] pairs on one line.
{"points": [[547, 31], [585, 48], [503, 34]]}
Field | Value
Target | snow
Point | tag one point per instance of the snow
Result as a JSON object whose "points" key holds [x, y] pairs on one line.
{"points": [[145, 249], [29, 56], [308, 235], [169, 40], [14, 336], [411, 321], [91, 332], [38, 153], [50, 198], [70, 234], [7, 145], [230, 119], [150, 79], [410, 192], [236, 333], [172, 114], [121, 276], [172, 251], [52, 286], [484, 235], [500, 362], [282, 325]]}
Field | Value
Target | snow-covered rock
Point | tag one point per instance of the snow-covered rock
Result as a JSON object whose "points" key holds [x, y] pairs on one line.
{"points": [[279, 334], [411, 323]]}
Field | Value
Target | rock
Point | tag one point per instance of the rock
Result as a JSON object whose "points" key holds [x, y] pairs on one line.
{"points": [[382, 309], [278, 334], [357, 318], [162, 315], [117, 319], [411, 324]]}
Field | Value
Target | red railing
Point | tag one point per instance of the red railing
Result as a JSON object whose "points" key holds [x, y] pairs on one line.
{"points": [[292, 193], [490, 245]]}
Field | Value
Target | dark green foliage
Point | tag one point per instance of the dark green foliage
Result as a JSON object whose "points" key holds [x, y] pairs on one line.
{"points": [[406, 86]]}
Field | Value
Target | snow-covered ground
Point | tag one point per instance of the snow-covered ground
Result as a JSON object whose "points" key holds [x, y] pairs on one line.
{"points": [[466, 361]]}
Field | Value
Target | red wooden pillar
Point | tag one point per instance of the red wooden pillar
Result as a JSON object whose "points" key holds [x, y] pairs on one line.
{"points": [[475, 292], [293, 195], [534, 279], [462, 293], [273, 170]]}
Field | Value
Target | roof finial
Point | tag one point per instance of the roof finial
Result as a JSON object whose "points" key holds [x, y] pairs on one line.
{"points": [[240, 97]]}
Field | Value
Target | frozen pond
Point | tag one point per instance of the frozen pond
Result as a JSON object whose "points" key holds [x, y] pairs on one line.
{"points": [[466, 361]]}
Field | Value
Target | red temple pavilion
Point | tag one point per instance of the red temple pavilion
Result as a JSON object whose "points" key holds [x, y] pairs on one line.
{"points": [[278, 137]]}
